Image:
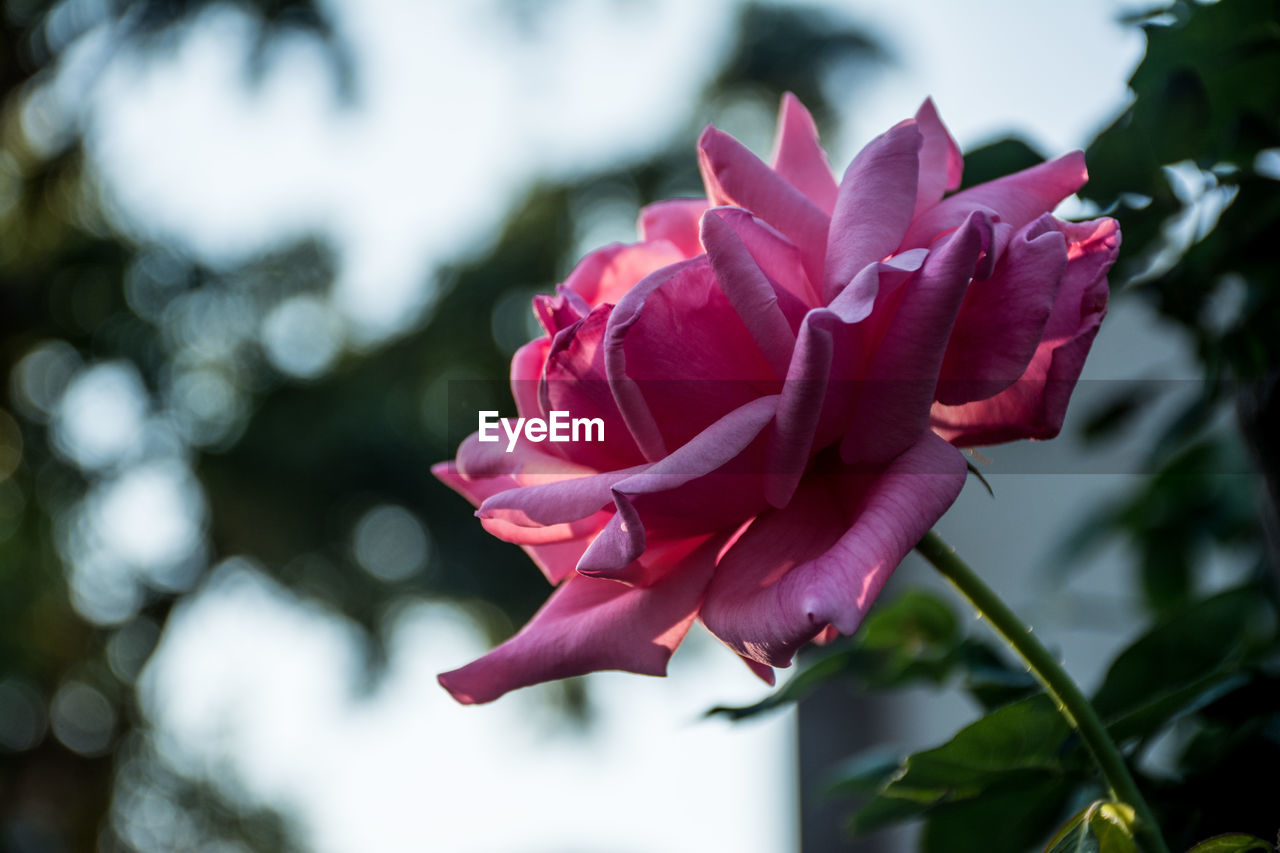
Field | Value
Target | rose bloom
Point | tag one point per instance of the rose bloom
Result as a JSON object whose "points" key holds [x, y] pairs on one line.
{"points": [[786, 371]]}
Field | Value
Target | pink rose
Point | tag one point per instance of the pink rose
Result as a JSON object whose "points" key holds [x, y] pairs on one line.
{"points": [[784, 373]]}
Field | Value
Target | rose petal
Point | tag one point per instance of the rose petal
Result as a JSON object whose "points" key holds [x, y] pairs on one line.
{"points": [[873, 208], [606, 274], [679, 488], [941, 164], [679, 357], [1002, 319], [1015, 199], [1036, 404], [762, 671], [550, 534], [559, 311], [824, 557], [574, 380], [651, 566], [559, 502], [798, 156], [733, 175], [589, 625], [557, 557], [821, 387], [778, 258], [675, 221], [526, 371], [528, 462], [749, 291], [897, 389]]}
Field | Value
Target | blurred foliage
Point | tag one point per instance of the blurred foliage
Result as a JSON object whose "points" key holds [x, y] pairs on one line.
{"points": [[284, 467], [1192, 170]]}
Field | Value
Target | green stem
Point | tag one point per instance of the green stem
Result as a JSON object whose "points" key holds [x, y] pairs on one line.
{"points": [[1073, 704]]}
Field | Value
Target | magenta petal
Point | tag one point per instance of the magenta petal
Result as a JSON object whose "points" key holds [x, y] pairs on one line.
{"points": [[873, 208], [526, 371], [528, 462], [941, 164], [556, 557], [800, 408], [606, 274], [1035, 405], [618, 545], [646, 568], [589, 625], [550, 534], [897, 390], [820, 392], [473, 490], [1015, 199], [555, 502], [749, 292], [824, 557], [762, 671], [561, 310], [778, 258], [679, 357], [558, 560], [623, 540], [575, 380], [555, 549], [1003, 318], [675, 221], [733, 175], [799, 157]]}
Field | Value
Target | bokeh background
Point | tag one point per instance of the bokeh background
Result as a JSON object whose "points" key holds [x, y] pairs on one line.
{"points": [[245, 249]]}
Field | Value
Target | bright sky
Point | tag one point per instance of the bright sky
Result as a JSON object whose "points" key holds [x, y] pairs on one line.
{"points": [[457, 112]]}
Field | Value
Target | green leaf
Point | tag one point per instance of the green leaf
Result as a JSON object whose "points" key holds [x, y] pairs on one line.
{"points": [[1148, 717], [1101, 827], [914, 619], [1027, 737], [1009, 817], [913, 638], [990, 679], [1232, 843], [864, 773], [1176, 663], [880, 812]]}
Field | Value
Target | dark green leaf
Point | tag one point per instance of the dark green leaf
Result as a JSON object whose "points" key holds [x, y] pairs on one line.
{"points": [[915, 620], [1009, 817], [1177, 662], [880, 812], [865, 773], [990, 679], [1026, 737], [1233, 843], [914, 638], [1146, 718]]}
